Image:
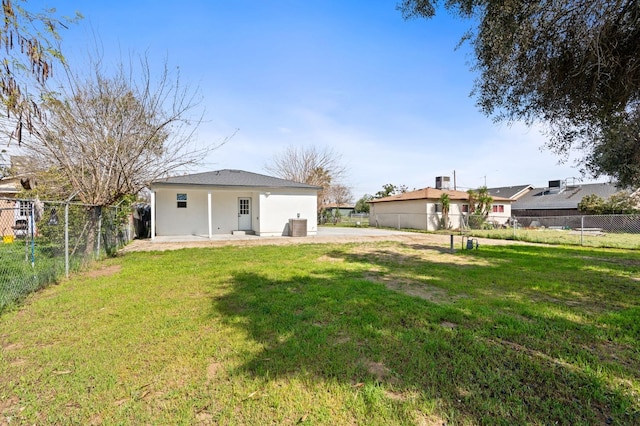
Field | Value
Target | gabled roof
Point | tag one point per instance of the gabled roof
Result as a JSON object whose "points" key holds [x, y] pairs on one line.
{"points": [[430, 194], [511, 192], [232, 178], [10, 185], [562, 198]]}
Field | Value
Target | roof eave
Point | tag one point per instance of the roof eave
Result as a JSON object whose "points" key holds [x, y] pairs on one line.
{"points": [[218, 186]]}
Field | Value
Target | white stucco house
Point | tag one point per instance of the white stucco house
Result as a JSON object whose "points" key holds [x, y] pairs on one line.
{"points": [[422, 209], [230, 201]]}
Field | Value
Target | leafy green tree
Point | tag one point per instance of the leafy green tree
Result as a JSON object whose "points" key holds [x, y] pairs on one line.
{"points": [[616, 149], [621, 202], [485, 201], [592, 204], [473, 198], [569, 64], [479, 206], [445, 201], [362, 205], [390, 189]]}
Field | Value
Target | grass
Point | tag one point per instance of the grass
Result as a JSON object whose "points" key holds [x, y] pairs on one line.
{"points": [[556, 236], [349, 222], [380, 333], [18, 277]]}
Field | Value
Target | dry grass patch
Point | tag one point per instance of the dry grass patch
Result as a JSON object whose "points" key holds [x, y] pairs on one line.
{"points": [[103, 271], [380, 372], [328, 258], [413, 288], [214, 369]]}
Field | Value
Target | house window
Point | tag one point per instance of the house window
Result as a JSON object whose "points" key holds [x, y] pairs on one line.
{"points": [[182, 201], [498, 208], [438, 208], [25, 208], [464, 208], [244, 206]]}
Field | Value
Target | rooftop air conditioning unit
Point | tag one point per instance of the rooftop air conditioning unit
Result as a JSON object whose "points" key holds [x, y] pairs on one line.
{"points": [[556, 186], [443, 182]]}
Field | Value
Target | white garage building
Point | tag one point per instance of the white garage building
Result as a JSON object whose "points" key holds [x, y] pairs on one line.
{"points": [[231, 201]]}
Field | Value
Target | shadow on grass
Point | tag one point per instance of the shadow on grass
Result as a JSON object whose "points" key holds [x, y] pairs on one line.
{"points": [[473, 356]]}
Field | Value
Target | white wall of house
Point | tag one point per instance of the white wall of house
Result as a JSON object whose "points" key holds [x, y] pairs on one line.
{"points": [[224, 210], [270, 213], [277, 209], [501, 213], [427, 214], [399, 214], [456, 215], [171, 220]]}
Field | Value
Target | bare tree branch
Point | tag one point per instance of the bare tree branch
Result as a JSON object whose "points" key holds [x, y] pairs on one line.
{"points": [[311, 166], [112, 133]]}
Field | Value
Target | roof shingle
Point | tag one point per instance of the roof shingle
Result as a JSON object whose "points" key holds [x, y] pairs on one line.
{"points": [[232, 178], [566, 198]]}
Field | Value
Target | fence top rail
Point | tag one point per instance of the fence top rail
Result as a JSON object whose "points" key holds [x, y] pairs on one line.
{"points": [[73, 203], [634, 215]]}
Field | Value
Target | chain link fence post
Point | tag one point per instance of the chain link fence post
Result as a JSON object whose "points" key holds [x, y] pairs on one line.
{"points": [[37, 246]]}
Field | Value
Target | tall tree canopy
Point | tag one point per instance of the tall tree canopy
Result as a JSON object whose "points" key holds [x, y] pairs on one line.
{"points": [[573, 65], [310, 165], [28, 50], [390, 189]]}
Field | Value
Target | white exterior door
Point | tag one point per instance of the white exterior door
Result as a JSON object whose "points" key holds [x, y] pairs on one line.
{"points": [[244, 214]]}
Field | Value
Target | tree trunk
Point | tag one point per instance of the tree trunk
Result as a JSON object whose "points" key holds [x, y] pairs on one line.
{"points": [[93, 220]]}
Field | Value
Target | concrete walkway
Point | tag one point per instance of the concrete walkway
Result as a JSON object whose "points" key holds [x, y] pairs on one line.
{"points": [[325, 235], [322, 232]]}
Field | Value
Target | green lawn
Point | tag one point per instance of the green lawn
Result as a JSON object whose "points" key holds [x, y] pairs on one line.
{"points": [[380, 333], [18, 277], [568, 237]]}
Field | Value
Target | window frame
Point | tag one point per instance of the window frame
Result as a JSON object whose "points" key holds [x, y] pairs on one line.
{"points": [[24, 208], [181, 200]]}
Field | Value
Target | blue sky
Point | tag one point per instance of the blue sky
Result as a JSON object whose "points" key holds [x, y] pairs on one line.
{"points": [[390, 96]]}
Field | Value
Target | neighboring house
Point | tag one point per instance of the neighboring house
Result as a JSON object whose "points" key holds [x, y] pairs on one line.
{"points": [[422, 209], [510, 192], [230, 201], [559, 198], [14, 214], [344, 209]]}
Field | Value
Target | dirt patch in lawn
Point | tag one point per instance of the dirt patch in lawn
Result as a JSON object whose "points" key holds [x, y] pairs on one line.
{"points": [[104, 271], [379, 371], [413, 288], [214, 369]]}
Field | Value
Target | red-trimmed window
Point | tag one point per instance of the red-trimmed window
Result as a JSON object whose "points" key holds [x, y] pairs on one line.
{"points": [[497, 208]]}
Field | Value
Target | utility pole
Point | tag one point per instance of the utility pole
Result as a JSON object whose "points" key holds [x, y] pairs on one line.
{"points": [[455, 187]]}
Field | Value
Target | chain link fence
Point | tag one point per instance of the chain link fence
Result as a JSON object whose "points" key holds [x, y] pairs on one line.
{"points": [[620, 231], [616, 231], [42, 241], [424, 221]]}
